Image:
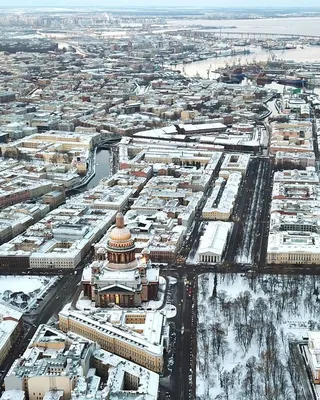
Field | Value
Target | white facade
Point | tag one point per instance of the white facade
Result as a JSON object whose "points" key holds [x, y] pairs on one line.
{"points": [[213, 242], [62, 238]]}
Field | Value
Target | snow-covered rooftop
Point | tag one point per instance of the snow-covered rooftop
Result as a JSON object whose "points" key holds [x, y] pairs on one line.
{"points": [[215, 237], [9, 320]]}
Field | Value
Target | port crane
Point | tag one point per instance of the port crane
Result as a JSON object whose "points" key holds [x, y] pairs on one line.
{"points": [[272, 56], [208, 71]]}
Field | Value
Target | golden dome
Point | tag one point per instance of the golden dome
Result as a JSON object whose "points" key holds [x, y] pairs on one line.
{"points": [[120, 232]]}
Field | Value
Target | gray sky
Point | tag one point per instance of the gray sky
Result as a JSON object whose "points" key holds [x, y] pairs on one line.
{"points": [[186, 3]]}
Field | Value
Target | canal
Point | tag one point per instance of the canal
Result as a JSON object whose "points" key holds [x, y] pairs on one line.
{"points": [[103, 167]]}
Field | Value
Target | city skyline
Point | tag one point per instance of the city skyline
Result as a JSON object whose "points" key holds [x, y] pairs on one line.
{"points": [[159, 200], [158, 3]]}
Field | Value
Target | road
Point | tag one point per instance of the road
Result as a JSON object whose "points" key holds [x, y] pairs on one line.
{"points": [[240, 211], [61, 294], [261, 238], [182, 377], [256, 217]]}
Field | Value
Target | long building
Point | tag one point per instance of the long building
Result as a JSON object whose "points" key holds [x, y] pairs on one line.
{"points": [[294, 234], [313, 355], [58, 241], [220, 204], [139, 337], [10, 328]]}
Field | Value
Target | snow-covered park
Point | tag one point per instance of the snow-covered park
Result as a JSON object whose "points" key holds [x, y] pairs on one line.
{"points": [[244, 326], [23, 291]]}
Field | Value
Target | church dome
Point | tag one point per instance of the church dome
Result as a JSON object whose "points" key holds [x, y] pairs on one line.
{"points": [[120, 247], [120, 233]]}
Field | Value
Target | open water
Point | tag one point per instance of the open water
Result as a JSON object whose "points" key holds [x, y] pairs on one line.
{"points": [[295, 26], [307, 53]]}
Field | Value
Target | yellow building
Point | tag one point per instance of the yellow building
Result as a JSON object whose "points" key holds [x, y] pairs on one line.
{"points": [[58, 366], [293, 248], [120, 340]]}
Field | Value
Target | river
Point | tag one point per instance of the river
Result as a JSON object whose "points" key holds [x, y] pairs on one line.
{"points": [[308, 53], [294, 26]]}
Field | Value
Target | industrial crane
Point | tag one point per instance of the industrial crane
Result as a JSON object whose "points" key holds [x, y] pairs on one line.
{"points": [[208, 71]]}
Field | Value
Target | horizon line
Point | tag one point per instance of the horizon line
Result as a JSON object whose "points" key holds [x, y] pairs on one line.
{"points": [[171, 6]]}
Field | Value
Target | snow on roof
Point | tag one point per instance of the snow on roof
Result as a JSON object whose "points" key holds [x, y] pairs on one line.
{"points": [[148, 380], [283, 154], [228, 196], [202, 127], [153, 274], [128, 336], [13, 394], [214, 239], [293, 242], [9, 320], [53, 395], [236, 162], [66, 358]]}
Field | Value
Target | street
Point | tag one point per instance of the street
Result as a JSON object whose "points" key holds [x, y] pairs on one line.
{"points": [[182, 384], [61, 294], [183, 374]]}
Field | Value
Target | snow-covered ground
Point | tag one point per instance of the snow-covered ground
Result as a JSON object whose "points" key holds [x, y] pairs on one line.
{"points": [[243, 332], [23, 291], [172, 280]]}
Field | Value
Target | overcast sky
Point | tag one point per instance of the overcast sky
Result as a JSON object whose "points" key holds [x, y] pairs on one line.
{"points": [[186, 3]]}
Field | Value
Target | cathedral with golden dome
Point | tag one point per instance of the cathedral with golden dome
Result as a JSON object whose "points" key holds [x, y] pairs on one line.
{"points": [[119, 276]]}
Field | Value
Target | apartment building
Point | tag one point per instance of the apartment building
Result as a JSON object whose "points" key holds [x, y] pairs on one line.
{"points": [[294, 218], [59, 366], [10, 328]]}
